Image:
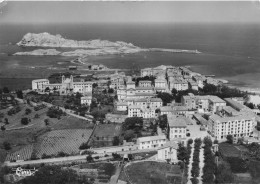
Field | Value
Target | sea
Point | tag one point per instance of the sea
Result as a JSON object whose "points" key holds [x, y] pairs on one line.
{"points": [[229, 51]]}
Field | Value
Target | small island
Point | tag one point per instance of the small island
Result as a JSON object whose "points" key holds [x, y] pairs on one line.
{"points": [[83, 48]]}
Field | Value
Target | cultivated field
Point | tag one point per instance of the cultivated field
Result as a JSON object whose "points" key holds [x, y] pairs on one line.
{"points": [[22, 154], [67, 141], [20, 136], [153, 173]]}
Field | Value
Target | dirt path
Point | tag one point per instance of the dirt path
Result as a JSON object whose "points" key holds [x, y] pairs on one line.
{"points": [[201, 165], [115, 177]]}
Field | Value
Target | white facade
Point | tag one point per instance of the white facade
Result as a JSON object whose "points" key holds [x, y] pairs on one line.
{"points": [[134, 111], [38, 84], [238, 126], [145, 83], [177, 127], [168, 151], [121, 106], [86, 100], [66, 86], [151, 142]]}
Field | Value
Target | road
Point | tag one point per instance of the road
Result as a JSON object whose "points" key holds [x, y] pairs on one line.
{"points": [[53, 160]]}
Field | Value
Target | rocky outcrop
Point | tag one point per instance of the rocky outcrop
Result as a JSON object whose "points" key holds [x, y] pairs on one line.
{"points": [[48, 40]]}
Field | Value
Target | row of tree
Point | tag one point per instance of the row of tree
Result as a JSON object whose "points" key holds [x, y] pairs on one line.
{"points": [[209, 162], [195, 171]]}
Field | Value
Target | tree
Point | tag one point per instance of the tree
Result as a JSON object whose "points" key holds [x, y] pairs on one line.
{"points": [[182, 152], [5, 90], [7, 145], [51, 174], [3, 128], [89, 158], [230, 139], [19, 94], [36, 115], [25, 121], [116, 156], [46, 121], [215, 141], [174, 92], [209, 88], [166, 97], [28, 111], [110, 90], [84, 145], [250, 105], [116, 141], [194, 180], [133, 123], [6, 121], [94, 85], [62, 154], [163, 121], [129, 135], [190, 141]]}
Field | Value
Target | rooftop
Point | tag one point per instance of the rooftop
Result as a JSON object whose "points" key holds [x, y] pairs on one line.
{"points": [[40, 80], [145, 81], [171, 144], [166, 109], [236, 104], [240, 117], [151, 138], [144, 88], [176, 121]]}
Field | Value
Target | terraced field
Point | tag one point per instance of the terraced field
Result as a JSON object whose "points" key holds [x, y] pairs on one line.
{"points": [[67, 141]]}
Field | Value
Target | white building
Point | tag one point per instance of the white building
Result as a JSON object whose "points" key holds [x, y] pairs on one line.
{"points": [[239, 126], [145, 83], [121, 106], [67, 85], [203, 104], [168, 151], [38, 84], [178, 84], [151, 142], [177, 127], [86, 99], [134, 111], [160, 85]]}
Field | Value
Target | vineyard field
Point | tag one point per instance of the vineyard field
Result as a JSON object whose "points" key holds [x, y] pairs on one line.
{"points": [[67, 141], [22, 154]]}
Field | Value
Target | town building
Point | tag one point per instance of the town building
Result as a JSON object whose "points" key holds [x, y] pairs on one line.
{"points": [[86, 99], [203, 104], [151, 142], [38, 84], [238, 126], [177, 126], [67, 85], [121, 106], [145, 83], [168, 152]]}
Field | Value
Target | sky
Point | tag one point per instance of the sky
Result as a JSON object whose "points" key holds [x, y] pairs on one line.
{"points": [[130, 12]]}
